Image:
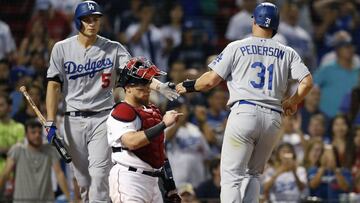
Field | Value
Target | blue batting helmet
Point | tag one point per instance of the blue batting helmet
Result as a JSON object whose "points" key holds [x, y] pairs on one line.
{"points": [[267, 15], [84, 9]]}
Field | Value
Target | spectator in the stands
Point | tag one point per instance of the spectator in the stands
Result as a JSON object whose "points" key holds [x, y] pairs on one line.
{"points": [[331, 57], [341, 136], [172, 30], [7, 42], [11, 131], [56, 22], [186, 146], [241, 23], [311, 107], [329, 180], [144, 38], [353, 154], [34, 162], [297, 37], [4, 76], [209, 190], [285, 180], [313, 154], [36, 41], [317, 130], [128, 17], [332, 16], [338, 78], [26, 113], [19, 76], [212, 118], [187, 193], [193, 49]]}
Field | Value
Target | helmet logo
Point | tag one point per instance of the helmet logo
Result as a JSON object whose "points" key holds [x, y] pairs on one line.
{"points": [[267, 22], [90, 6]]}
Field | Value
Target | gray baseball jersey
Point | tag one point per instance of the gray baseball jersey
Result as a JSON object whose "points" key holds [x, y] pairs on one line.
{"points": [[87, 75], [258, 70]]}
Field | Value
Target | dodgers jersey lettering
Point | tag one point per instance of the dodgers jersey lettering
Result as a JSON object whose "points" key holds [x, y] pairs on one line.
{"points": [[85, 73], [258, 69]]}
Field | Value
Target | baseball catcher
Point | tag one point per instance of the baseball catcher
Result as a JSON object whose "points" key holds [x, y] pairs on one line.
{"points": [[135, 130]]}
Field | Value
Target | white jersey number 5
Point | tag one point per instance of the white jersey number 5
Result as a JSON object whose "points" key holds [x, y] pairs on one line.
{"points": [[261, 75]]}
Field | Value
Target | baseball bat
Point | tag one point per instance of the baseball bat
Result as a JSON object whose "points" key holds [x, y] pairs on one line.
{"points": [[55, 141]]}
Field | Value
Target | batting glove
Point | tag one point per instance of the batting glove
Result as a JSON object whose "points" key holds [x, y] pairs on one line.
{"points": [[168, 90], [50, 130]]}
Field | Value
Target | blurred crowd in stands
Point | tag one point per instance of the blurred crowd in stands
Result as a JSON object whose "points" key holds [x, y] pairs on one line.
{"points": [[318, 157]]}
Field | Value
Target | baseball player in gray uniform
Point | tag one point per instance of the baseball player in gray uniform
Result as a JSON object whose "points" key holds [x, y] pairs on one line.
{"points": [[257, 70], [84, 68]]}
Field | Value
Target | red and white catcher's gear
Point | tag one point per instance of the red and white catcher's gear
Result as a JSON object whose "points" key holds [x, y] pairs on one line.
{"points": [[153, 153]]}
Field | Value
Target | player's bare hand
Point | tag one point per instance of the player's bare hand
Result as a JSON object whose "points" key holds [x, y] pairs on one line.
{"points": [[180, 88], [171, 117], [289, 108]]}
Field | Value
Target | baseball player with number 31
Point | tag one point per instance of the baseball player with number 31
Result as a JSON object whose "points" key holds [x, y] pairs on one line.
{"points": [[84, 68], [257, 70]]}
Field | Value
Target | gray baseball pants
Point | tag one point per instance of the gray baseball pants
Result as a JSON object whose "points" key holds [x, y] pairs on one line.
{"points": [[250, 136], [86, 140]]}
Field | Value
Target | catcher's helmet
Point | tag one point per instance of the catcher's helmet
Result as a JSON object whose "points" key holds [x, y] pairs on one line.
{"points": [[138, 70], [84, 9], [267, 15]]}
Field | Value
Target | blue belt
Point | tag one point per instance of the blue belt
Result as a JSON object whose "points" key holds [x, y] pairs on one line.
{"points": [[250, 103]]}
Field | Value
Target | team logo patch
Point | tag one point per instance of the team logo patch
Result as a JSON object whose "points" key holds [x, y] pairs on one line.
{"points": [[90, 6], [90, 68], [218, 58]]}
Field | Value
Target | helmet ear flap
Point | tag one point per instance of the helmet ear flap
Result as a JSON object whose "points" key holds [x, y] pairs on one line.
{"points": [[78, 24], [124, 77]]}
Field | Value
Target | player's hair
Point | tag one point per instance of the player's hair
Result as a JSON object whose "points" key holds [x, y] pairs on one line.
{"points": [[32, 123]]}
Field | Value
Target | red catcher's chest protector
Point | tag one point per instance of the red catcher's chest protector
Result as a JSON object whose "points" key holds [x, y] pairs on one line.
{"points": [[153, 153]]}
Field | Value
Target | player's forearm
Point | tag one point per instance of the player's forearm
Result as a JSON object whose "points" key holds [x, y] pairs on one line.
{"points": [[304, 88], [52, 99], [171, 131], [63, 184], [134, 140], [207, 81]]}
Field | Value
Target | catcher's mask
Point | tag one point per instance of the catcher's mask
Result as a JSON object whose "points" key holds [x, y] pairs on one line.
{"points": [[138, 70]]}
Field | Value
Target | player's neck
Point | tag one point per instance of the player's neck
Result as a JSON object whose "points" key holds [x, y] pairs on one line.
{"points": [[132, 102], [86, 41], [262, 32]]}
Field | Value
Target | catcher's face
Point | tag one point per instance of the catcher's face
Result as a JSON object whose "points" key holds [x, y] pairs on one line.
{"points": [[90, 25], [140, 93]]}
